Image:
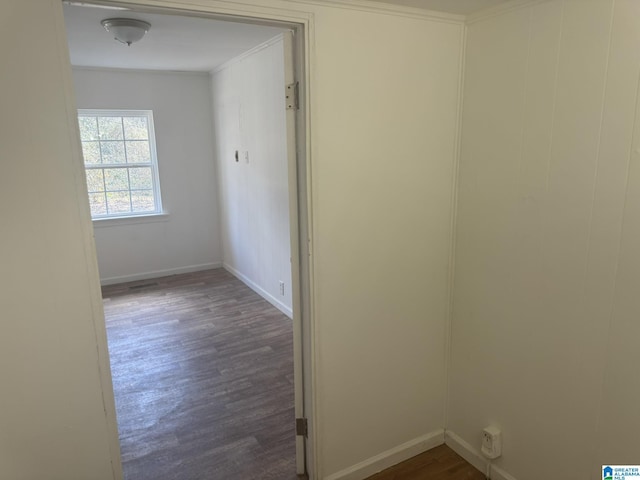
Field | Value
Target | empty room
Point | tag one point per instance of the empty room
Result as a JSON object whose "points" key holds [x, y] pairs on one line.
{"points": [[183, 134], [464, 261]]}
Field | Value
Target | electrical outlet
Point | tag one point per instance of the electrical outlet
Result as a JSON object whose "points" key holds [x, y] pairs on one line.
{"points": [[491, 442], [282, 288]]}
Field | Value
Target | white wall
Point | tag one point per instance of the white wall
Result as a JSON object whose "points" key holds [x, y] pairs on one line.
{"points": [[618, 434], [248, 106], [545, 302], [188, 238], [57, 421], [383, 143], [383, 115], [384, 102]]}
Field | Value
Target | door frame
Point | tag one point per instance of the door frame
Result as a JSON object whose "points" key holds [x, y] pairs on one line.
{"points": [[300, 209]]}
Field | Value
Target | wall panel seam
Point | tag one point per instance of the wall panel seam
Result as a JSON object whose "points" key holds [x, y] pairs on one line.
{"points": [[612, 311], [525, 96], [598, 146], [555, 96], [453, 225]]}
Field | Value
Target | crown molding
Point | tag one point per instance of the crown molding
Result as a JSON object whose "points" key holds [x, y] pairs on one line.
{"points": [[501, 9], [372, 6], [248, 53], [150, 71]]}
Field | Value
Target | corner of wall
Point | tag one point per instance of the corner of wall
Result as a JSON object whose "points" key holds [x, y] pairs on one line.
{"points": [[254, 225], [391, 457], [474, 457], [454, 219]]}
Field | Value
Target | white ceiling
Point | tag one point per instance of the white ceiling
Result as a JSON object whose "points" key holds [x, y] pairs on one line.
{"points": [[172, 43], [190, 43], [464, 7]]}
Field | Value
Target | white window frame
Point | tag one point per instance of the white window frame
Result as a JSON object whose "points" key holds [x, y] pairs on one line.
{"points": [[153, 164]]}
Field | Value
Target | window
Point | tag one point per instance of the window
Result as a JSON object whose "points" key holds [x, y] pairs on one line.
{"points": [[120, 162]]}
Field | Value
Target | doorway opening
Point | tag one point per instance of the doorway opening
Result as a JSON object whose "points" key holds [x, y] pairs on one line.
{"points": [[248, 205]]}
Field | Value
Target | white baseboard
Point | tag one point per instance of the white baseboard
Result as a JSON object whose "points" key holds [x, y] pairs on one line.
{"points": [[259, 290], [159, 273], [499, 474], [473, 456], [465, 450], [391, 457]]}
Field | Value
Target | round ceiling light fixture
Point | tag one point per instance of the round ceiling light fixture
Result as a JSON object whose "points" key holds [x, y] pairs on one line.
{"points": [[126, 30]]}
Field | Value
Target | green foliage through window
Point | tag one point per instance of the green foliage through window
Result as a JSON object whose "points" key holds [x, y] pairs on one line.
{"points": [[120, 163]]}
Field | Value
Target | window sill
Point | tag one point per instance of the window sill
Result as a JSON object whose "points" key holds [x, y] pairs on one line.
{"points": [[132, 220]]}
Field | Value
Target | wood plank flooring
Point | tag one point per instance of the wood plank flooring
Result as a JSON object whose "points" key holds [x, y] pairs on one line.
{"points": [[203, 378], [440, 463]]}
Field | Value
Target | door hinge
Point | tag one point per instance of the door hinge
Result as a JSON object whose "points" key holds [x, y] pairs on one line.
{"points": [[302, 427], [291, 96]]}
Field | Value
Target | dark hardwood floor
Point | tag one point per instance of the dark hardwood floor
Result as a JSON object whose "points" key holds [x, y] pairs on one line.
{"points": [[203, 377], [440, 463]]}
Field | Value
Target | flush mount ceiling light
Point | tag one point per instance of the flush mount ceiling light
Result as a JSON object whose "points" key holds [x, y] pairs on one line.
{"points": [[126, 30]]}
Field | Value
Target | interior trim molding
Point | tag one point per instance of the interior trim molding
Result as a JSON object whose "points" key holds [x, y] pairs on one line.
{"points": [[387, 9], [277, 13], [259, 290], [465, 450], [391, 457], [501, 9], [196, 73], [248, 53], [159, 273], [473, 456]]}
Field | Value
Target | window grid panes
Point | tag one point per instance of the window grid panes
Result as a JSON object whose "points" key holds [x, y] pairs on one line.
{"points": [[120, 163]]}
